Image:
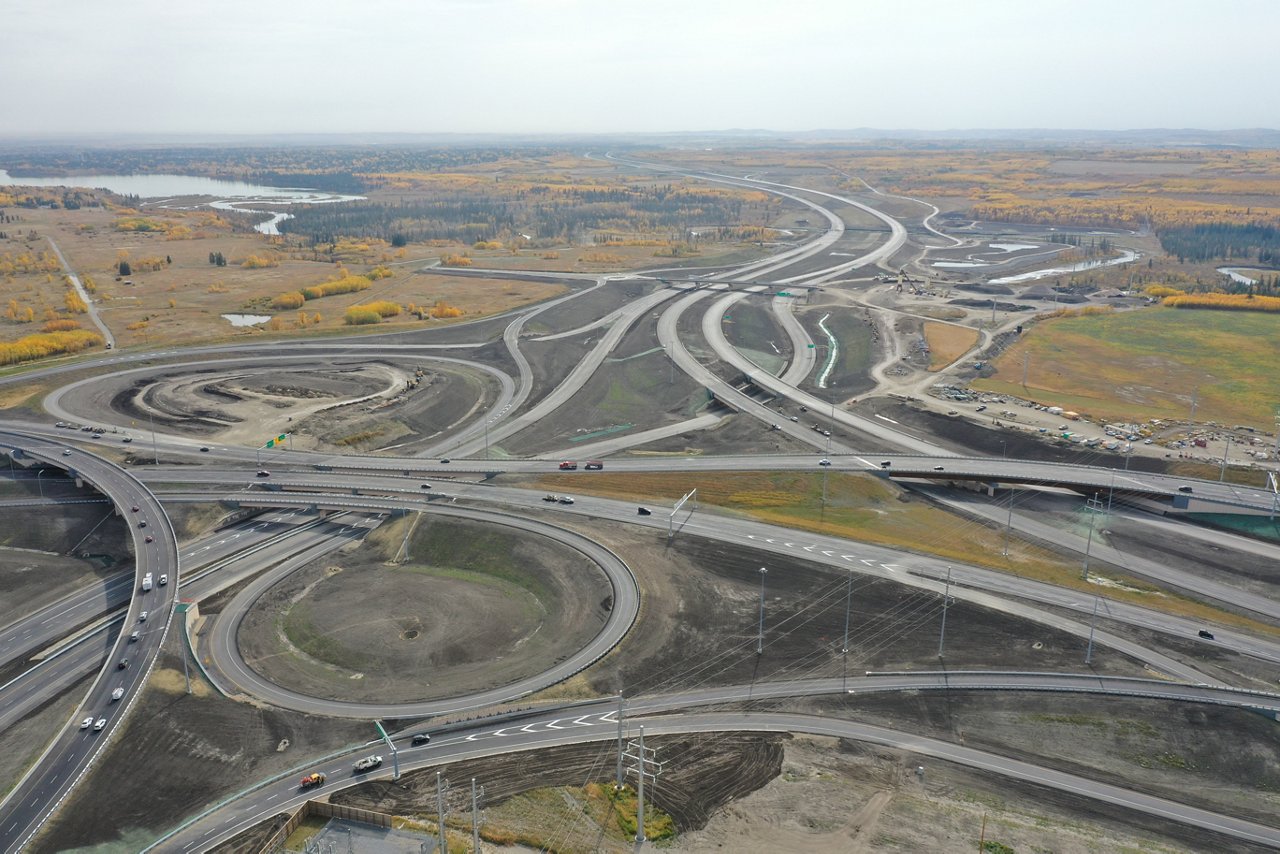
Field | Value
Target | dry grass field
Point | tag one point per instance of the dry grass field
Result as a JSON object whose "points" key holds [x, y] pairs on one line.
{"points": [[1148, 364], [947, 342]]}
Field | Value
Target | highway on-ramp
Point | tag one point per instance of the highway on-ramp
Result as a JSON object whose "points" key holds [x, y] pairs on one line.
{"points": [[598, 721], [228, 664]]}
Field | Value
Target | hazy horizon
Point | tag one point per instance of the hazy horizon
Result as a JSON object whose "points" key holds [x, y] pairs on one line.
{"points": [[572, 67]]}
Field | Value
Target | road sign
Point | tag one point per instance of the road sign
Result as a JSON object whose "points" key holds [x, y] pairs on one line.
{"points": [[278, 440]]}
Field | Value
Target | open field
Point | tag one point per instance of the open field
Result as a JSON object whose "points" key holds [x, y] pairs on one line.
{"points": [[1147, 364], [354, 627], [947, 342]]}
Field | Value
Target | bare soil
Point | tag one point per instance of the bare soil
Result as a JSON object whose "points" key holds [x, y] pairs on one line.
{"points": [[36, 567], [698, 626], [837, 796], [339, 406], [701, 777], [358, 629]]}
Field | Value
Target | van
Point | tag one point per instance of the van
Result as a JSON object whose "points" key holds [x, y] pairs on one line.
{"points": [[147, 583]]}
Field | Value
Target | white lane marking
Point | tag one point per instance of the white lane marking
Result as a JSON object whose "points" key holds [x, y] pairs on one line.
{"points": [[892, 567], [868, 562], [827, 553], [809, 548]]}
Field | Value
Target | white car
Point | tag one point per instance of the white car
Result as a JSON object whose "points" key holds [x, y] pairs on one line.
{"points": [[824, 462], [87, 722], [117, 694], [142, 618], [367, 764], [102, 722], [164, 579]]}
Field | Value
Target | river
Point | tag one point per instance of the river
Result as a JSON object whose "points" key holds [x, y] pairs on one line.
{"points": [[1126, 255], [160, 190]]}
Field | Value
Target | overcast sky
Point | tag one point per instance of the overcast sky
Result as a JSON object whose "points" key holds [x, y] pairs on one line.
{"points": [[425, 66]]}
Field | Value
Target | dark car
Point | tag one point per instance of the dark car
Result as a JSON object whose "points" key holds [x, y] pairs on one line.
{"points": [[445, 461], [938, 468], [264, 473], [644, 511], [204, 450], [124, 662], [421, 737], [1184, 489], [142, 524], [884, 464], [1207, 635], [425, 486]]}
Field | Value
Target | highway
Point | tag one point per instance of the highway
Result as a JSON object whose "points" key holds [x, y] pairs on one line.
{"points": [[72, 751], [338, 480], [231, 560], [997, 591], [597, 721]]}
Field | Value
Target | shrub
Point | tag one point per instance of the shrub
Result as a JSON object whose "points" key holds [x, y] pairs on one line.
{"points": [[292, 299], [60, 325], [455, 261], [442, 310], [257, 262], [345, 285], [384, 308], [48, 344], [379, 272], [358, 316]]}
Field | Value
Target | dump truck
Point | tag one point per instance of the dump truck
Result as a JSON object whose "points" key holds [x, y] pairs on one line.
{"points": [[312, 780], [568, 465]]}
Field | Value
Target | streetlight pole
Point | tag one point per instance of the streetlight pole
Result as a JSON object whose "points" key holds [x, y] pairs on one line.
{"points": [[760, 632], [155, 450], [946, 598], [486, 438], [1008, 525], [1223, 471], [1088, 653], [39, 485], [1089, 544]]}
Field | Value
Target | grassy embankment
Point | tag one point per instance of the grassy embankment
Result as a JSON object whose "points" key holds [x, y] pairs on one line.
{"points": [[866, 509]]}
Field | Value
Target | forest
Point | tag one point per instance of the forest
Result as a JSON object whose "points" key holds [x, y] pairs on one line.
{"points": [[339, 169], [542, 212], [1223, 241]]}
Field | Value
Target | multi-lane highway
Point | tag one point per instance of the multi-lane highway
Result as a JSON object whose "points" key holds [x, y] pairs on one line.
{"points": [[330, 482], [73, 750]]}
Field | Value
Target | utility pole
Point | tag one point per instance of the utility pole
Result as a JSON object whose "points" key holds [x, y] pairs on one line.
{"points": [[647, 765], [640, 791], [475, 818], [618, 784], [1088, 653], [440, 812], [1194, 394], [760, 633], [946, 599], [848, 600]]}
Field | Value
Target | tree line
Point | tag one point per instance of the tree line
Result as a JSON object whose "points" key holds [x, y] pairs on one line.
{"points": [[1223, 241]]}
